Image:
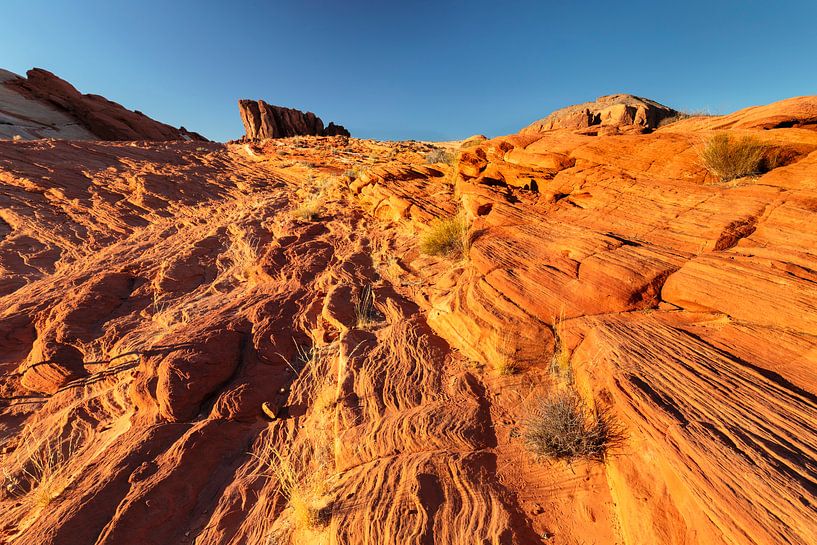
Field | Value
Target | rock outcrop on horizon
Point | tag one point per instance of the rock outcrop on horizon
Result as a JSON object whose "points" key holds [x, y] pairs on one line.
{"points": [[609, 114], [262, 120], [45, 106], [233, 344]]}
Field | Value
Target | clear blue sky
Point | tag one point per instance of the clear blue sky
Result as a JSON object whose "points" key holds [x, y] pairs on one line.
{"points": [[422, 69]]}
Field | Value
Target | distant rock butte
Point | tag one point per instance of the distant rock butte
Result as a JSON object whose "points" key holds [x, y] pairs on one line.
{"points": [[610, 114], [45, 106], [262, 120]]}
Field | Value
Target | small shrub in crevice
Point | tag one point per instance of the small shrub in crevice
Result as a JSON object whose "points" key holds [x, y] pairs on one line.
{"points": [[563, 427], [303, 490], [506, 362]]}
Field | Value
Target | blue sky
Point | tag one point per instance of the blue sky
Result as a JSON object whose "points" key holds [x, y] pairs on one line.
{"points": [[422, 69]]}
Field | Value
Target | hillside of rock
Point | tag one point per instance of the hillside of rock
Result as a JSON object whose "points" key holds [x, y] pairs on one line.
{"points": [[244, 343], [45, 106], [262, 120]]}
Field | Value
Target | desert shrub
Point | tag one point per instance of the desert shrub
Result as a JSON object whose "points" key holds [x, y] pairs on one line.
{"points": [[241, 255], [439, 155], [730, 158], [563, 427], [447, 237], [560, 361], [41, 476]]}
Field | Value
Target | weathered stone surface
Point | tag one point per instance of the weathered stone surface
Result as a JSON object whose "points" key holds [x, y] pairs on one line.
{"points": [[686, 304], [262, 120], [43, 105]]}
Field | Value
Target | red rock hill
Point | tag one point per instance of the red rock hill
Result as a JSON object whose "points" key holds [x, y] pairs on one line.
{"points": [[43, 105]]}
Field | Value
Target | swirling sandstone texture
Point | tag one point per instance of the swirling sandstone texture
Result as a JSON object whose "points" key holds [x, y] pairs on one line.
{"points": [[191, 359], [45, 106], [262, 120]]}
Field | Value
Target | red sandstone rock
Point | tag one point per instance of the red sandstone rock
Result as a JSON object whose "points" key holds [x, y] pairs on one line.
{"points": [[174, 294]]}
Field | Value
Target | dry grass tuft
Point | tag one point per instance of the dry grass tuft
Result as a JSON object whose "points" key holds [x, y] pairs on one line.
{"points": [[241, 255], [303, 492], [506, 362], [563, 427], [365, 312], [447, 237], [310, 209], [730, 158], [560, 362], [42, 477]]}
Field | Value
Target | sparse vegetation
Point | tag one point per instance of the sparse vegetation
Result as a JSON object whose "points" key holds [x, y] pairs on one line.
{"points": [[680, 116], [440, 155], [560, 362], [563, 427], [730, 158], [448, 237]]}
